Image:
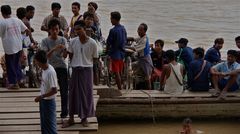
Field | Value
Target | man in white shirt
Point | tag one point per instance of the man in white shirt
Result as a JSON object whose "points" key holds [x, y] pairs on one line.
{"points": [[83, 53], [11, 30], [142, 47]]}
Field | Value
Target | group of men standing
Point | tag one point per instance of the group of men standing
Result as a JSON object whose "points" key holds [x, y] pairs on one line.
{"points": [[82, 52]]}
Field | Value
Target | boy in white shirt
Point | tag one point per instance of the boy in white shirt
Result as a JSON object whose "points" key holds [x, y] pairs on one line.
{"points": [[46, 98]]}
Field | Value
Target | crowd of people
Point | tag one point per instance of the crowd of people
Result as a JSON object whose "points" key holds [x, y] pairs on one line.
{"points": [[185, 68]]}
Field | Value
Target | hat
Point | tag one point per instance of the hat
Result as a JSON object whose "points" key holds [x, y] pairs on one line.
{"points": [[182, 41]]}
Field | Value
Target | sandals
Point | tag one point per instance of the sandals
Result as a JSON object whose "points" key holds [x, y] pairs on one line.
{"points": [[67, 123], [13, 86], [70, 122]]}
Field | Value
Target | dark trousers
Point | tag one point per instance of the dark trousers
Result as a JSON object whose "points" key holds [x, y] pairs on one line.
{"points": [[63, 84], [48, 116], [14, 72]]}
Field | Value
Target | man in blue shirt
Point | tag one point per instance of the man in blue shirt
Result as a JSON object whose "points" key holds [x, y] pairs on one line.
{"points": [[213, 54], [184, 53], [199, 71], [116, 42], [222, 82]]}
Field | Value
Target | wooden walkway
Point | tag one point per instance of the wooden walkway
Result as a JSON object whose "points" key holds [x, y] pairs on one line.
{"points": [[19, 114]]}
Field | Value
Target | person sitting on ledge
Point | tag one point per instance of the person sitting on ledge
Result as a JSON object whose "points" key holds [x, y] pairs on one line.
{"points": [[172, 75], [184, 53], [158, 55], [222, 82], [199, 72], [213, 54]]}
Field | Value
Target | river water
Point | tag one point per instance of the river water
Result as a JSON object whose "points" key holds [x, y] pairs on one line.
{"points": [[201, 21]]}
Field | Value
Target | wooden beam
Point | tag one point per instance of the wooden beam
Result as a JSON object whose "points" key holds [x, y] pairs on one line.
{"points": [[36, 115], [37, 121], [21, 128]]}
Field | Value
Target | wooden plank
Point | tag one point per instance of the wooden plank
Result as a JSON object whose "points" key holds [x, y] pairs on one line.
{"points": [[30, 103], [38, 132], [22, 104], [19, 128], [160, 94], [5, 90], [91, 127], [26, 94], [21, 109], [36, 115], [38, 89], [37, 121], [19, 94], [99, 87], [29, 99], [156, 93], [21, 115]]}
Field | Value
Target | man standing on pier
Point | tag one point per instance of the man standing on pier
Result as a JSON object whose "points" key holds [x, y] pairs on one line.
{"points": [[83, 53], [11, 30], [55, 46], [116, 41]]}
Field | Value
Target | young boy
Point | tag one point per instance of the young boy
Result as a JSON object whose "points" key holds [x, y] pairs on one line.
{"points": [[92, 8], [90, 28], [48, 90], [91, 32], [158, 55]]}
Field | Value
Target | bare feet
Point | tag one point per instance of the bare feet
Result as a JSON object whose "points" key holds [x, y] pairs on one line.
{"points": [[223, 95], [216, 93]]}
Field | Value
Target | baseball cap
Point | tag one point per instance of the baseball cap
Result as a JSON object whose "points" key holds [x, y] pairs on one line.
{"points": [[182, 41]]}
